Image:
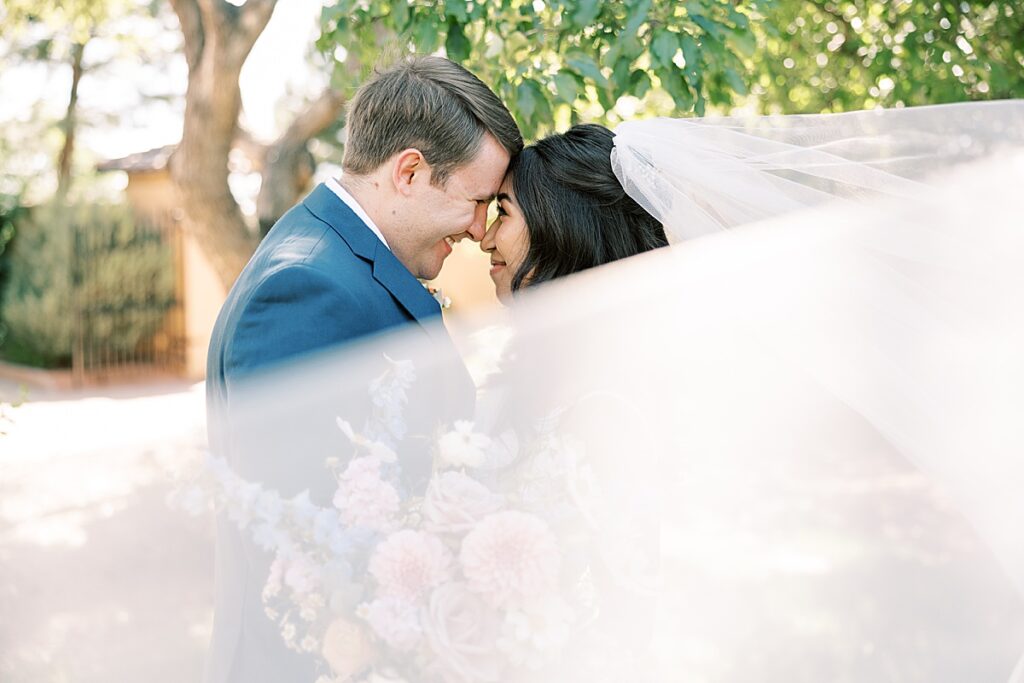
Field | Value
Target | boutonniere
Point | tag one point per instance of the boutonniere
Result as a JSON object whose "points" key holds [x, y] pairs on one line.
{"points": [[444, 302]]}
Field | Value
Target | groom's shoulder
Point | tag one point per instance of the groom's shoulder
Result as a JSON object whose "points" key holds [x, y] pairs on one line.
{"points": [[301, 238]]}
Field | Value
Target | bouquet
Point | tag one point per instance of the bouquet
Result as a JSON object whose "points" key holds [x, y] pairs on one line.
{"points": [[461, 581]]}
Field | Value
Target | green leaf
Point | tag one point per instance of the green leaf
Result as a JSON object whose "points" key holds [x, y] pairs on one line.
{"points": [[526, 101], [735, 81], [637, 16], [456, 9], [621, 75], [741, 21], [639, 83], [426, 37], [567, 87], [586, 12], [606, 98], [664, 47], [400, 14], [691, 53], [543, 117], [710, 27], [456, 44], [588, 68], [676, 86], [744, 42], [331, 13]]}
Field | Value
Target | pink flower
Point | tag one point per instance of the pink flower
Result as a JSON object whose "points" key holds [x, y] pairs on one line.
{"points": [[455, 502], [395, 621], [365, 499], [510, 557], [462, 630], [408, 563]]}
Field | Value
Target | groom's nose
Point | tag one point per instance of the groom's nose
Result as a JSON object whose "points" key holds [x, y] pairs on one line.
{"points": [[479, 226]]}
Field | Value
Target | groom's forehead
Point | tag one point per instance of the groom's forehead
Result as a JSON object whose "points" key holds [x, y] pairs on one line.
{"points": [[488, 167], [479, 183]]}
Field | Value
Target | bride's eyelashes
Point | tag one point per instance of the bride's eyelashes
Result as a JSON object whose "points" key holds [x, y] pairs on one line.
{"points": [[501, 212]]}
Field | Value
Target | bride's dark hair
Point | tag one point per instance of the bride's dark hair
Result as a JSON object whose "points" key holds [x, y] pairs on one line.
{"points": [[577, 214]]}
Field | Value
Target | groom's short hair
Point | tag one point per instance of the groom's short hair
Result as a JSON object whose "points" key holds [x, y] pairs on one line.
{"points": [[429, 103]]}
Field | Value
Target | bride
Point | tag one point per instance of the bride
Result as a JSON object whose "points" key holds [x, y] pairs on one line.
{"points": [[753, 414]]}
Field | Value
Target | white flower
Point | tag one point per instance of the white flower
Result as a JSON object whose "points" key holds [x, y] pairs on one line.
{"points": [[436, 292], [301, 575], [405, 371], [395, 621], [462, 447], [241, 499], [193, 500], [533, 634], [376, 449], [273, 585]]}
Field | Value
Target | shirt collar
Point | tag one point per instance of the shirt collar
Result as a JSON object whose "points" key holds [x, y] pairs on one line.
{"points": [[343, 195]]}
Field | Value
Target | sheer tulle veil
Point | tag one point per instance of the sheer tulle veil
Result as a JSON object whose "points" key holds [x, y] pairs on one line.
{"points": [[787, 447]]}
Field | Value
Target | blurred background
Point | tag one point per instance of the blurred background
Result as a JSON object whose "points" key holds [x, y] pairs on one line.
{"points": [[146, 146]]}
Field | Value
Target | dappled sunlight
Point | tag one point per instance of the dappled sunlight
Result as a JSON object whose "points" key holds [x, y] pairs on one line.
{"points": [[57, 480], [86, 533]]}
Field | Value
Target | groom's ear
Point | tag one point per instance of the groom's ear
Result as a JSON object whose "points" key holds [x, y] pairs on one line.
{"points": [[407, 165]]}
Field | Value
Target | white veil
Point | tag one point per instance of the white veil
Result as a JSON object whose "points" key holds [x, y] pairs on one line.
{"points": [[790, 451], [700, 176]]}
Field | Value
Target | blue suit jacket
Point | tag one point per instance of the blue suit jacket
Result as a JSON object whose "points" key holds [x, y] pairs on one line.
{"points": [[319, 279]]}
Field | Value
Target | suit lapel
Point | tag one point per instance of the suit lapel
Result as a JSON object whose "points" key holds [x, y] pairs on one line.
{"points": [[388, 271], [410, 292]]}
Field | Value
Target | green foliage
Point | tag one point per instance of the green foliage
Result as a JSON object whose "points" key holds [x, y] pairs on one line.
{"points": [[11, 211], [841, 55], [77, 19], [88, 272], [556, 61]]}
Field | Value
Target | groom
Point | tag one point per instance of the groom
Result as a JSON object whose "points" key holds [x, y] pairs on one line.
{"points": [[427, 147]]}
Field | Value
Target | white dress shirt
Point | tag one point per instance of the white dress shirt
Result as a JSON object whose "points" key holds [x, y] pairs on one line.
{"points": [[343, 195]]}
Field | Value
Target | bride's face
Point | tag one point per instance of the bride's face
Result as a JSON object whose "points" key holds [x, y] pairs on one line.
{"points": [[507, 241]]}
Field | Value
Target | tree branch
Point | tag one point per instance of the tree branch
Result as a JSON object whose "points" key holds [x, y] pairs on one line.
{"points": [[192, 29], [321, 113], [254, 17], [238, 27]]}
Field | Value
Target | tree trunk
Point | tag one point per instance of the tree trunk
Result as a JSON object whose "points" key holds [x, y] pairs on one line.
{"points": [[69, 124], [218, 38], [200, 167], [288, 163]]}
